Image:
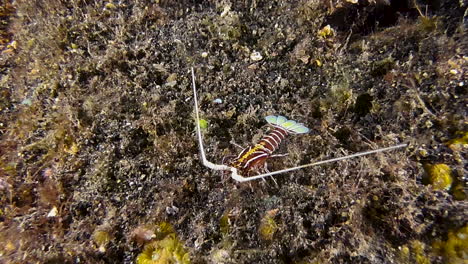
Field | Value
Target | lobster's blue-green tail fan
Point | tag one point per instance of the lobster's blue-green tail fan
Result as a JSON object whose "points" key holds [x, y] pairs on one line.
{"points": [[289, 125], [280, 120], [276, 120], [299, 129], [271, 119]]}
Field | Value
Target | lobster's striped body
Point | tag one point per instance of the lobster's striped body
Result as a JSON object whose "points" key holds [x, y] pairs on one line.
{"points": [[254, 157]]}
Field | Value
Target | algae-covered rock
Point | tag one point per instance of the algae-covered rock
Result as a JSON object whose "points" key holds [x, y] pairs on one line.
{"points": [[455, 248], [268, 225], [102, 238], [414, 252], [165, 249], [459, 143], [439, 176]]}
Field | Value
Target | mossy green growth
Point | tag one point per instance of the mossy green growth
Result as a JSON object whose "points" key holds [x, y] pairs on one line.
{"points": [[458, 191], [414, 253], [428, 24], [224, 225], [7, 168], [227, 26], [439, 176], [163, 229], [203, 124], [455, 248], [268, 225], [419, 256], [102, 238], [340, 96], [381, 67], [165, 249], [404, 254], [459, 142]]}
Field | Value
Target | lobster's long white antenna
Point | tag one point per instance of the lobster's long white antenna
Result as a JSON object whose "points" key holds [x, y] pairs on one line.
{"points": [[241, 178], [359, 154], [199, 135]]}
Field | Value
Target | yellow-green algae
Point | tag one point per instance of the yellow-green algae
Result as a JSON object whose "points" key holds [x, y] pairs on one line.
{"points": [[425, 23], [268, 225], [439, 176], [102, 238], [165, 249], [414, 252], [224, 225], [458, 191], [455, 248], [420, 257], [459, 142], [163, 229], [203, 123], [222, 252]]}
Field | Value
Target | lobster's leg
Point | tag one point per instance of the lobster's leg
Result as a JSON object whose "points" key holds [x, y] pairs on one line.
{"points": [[279, 155]]}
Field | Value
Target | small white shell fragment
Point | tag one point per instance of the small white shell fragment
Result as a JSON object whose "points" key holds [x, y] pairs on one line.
{"points": [[226, 10], [170, 84], [26, 101], [53, 212], [102, 249], [218, 101], [204, 54], [256, 56]]}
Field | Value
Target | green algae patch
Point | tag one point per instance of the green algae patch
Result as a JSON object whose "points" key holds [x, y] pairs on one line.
{"points": [[459, 143], [163, 229], [418, 251], [414, 252], [224, 224], [455, 248], [380, 68], [203, 124], [439, 176], [166, 251], [268, 225], [458, 191], [102, 238], [166, 248]]}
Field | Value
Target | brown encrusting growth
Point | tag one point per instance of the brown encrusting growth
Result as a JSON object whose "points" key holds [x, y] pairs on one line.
{"points": [[98, 156]]}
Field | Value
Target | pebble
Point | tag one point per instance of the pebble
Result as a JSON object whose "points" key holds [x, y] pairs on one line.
{"points": [[256, 56]]}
